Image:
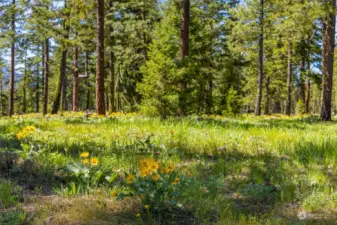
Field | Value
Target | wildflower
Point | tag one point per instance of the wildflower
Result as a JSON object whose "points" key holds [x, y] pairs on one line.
{"points": [[147, 206], [155, 177], [148, 166], [138, 215], [85, 161], [94, 161], [85, 154], [144, 172], [302, 215], [19, 136], [176, 181], [130, 179], [168, 169], [114, 194]]}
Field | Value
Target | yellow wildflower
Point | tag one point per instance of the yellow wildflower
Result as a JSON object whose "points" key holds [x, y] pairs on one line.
{"points": [[176, 181], [155, 177], [130, 179], [85, 154], [85, 161], [114, 194], [147, 206], [94, 161], [138, 215]]}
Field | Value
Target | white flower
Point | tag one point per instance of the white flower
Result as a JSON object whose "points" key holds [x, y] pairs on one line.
{"points": [[302, 215]]}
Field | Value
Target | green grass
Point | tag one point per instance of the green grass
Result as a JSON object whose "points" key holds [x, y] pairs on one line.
{"points": [[245, 170]]}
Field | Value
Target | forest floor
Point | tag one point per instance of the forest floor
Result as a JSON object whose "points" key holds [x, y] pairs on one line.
{"points": [[84, 169]]}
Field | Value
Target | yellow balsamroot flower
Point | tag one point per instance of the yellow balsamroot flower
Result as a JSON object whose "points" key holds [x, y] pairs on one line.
{"points": [[130, 179], [85, 154], [19, 135], [146, 206], [176, 181], [155, 177], [148, 166], [85, 161], [138, 215], [25, 132], [94, 161]]}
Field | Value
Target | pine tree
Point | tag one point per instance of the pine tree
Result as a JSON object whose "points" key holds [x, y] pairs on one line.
{"points": [[100, 101]]}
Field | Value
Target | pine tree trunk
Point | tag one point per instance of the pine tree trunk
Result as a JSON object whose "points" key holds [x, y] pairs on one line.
{"points": [[327, 61], [308, 89], [76, 81], [86, 68], [37, 91], [112, 83], [266, 109], [209, 99], [24, 109], [100, 101], [260, 77], [46, 76], [184, 51], [289, 79], [63, 68], [12, 75], [302, 75]]}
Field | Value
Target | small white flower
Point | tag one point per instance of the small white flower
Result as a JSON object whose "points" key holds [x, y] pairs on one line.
{"points": [[302, 215]]}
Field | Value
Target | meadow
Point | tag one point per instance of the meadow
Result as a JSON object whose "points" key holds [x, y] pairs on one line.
{"points": [[76, 168]]}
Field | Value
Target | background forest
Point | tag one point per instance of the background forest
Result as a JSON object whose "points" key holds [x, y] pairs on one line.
{"points": [[167, 58]]}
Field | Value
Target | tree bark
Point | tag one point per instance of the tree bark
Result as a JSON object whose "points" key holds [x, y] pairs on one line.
{"points": [[112, 103], [63, 68], [289, 79], [302, 74], [327, 61], [184, 51], [37, 91], [12, 74], [76, 81], [24, 109], [260, 76], [266, 109], [308, 89], [46, 76], [100, 102], [86, 68], [112, 83]]}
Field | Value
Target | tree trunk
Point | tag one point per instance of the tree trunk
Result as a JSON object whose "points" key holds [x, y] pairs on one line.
{"points": [[302, 75], [308, 89], [289, 79], [12, 75], [63, 68], [266, 109], [184, 51], [24, 109], [76, 81], [37, 91], [100, 102], [86, 68], [260, 78], [112, 83], [327, 61], [209, 99], [45, 77]]}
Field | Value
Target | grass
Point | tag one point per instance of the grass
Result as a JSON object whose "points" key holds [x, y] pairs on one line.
{"points": [[243, 170]]}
